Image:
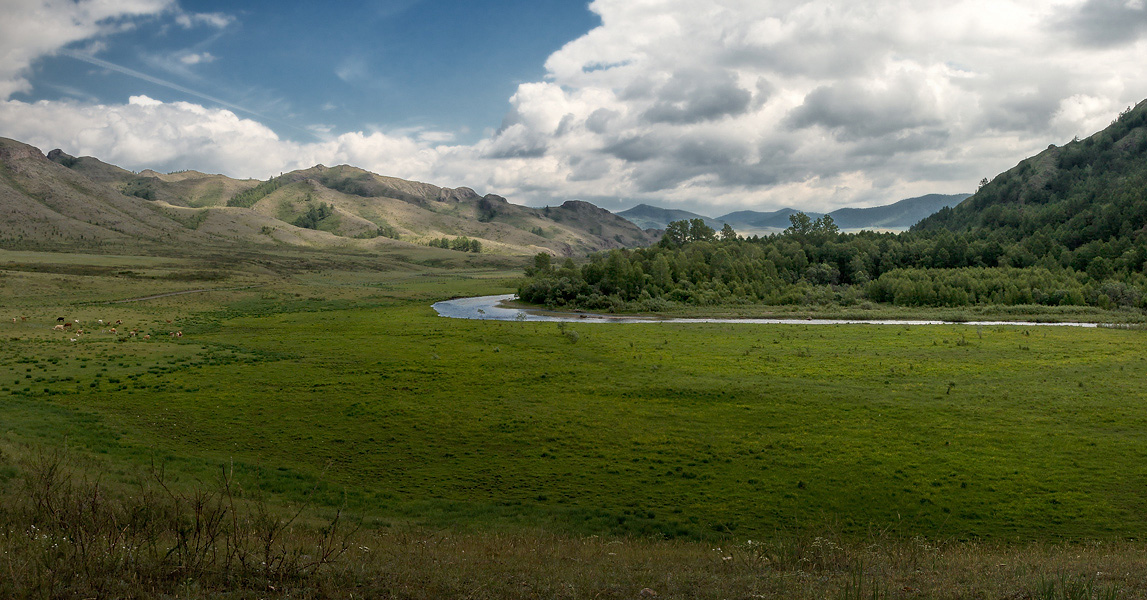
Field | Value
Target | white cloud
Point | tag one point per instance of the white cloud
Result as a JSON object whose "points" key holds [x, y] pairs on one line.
{"points": [[216, 20], [711, 106], [195, 58], [31, 29], [814, 104], [148, 133]]}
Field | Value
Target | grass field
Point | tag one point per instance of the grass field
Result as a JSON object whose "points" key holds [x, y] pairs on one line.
{"points": [[491, 459], [341, 387]]}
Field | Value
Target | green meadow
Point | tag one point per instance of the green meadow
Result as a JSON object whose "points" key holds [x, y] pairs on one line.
{"points": [[340, 387]]}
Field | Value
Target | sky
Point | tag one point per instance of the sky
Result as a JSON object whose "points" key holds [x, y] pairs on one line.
{"points": [[711, 106]]}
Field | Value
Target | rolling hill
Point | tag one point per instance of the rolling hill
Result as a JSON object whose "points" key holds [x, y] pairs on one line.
{"points": [[654, 217], [898, 216], [63, 201], [778, 220]]}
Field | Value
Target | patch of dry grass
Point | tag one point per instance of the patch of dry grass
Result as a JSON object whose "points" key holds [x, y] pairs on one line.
{"points": [[65, 534]]}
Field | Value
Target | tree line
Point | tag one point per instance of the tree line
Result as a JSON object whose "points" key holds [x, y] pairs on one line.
{"points": [[812, 262], [461, 244]]}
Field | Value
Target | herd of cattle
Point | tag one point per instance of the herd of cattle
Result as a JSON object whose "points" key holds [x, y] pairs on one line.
{"points": [[74, 327]]}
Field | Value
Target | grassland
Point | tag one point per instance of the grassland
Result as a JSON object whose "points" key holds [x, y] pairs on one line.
{"points": [[335, 384]]}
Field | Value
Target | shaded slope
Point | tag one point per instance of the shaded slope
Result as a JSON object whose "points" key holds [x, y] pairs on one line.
{"points": [[1091, 191], [751, 219], [896, 216], [654, 217]]}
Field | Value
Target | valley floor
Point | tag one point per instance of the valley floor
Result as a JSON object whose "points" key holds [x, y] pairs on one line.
{"points": [[517, 460]]}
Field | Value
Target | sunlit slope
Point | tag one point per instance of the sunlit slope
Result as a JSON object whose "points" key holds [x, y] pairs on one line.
{"points": [[338, 207]]}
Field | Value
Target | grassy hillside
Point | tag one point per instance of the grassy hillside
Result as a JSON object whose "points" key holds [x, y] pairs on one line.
{"points": [[64, 201], [1087, 194]]}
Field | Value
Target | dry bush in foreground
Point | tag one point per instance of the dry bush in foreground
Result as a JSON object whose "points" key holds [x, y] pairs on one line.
{"points": [[65, 535]]}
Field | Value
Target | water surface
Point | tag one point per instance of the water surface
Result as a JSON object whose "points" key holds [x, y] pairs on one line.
{"points": [[494, 308]]}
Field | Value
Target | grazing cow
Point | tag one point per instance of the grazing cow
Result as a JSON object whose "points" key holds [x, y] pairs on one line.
{"points": [[58, 328], [118, 322], [113, 330], [73, 339], [67, 325], [178, 334], [100, 321], [59, 319], [147, 336]]}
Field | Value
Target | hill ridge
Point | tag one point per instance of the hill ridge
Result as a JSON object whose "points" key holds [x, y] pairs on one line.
{"points": [[92, 203]]}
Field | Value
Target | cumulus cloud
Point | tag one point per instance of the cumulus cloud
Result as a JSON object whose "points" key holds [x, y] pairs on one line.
{"points": [[698, 95], [714, 106], [31, 29], [814, 104], [167, 136], [1105, 23]]}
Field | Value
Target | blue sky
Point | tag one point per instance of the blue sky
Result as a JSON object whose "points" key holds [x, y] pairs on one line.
{"points": [[708, 106], [443, 64]]}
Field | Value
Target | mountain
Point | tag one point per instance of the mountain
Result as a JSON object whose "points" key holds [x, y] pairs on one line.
{"points": [[751, 219], [653, 217], [1088, 197], [896, 216], [61, 200]]}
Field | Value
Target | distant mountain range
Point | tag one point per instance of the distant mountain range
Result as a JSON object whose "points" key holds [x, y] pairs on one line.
{"points": [[60, 201], [897, 216], [653, 217]]}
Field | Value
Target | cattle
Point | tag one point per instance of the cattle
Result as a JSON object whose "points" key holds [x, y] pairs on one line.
{"points": [[67, 325], [58, 328], [59, 319], [113, 330]]}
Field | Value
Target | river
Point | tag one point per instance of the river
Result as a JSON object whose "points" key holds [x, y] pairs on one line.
{"points": [[493, 308]]}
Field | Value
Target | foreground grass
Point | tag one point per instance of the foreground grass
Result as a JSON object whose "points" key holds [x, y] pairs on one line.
{"points": [[509, 453], [65, 534]]}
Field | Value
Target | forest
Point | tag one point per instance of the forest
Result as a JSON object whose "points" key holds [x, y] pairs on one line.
{"points": [[812, 262], [1067, 227]]}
